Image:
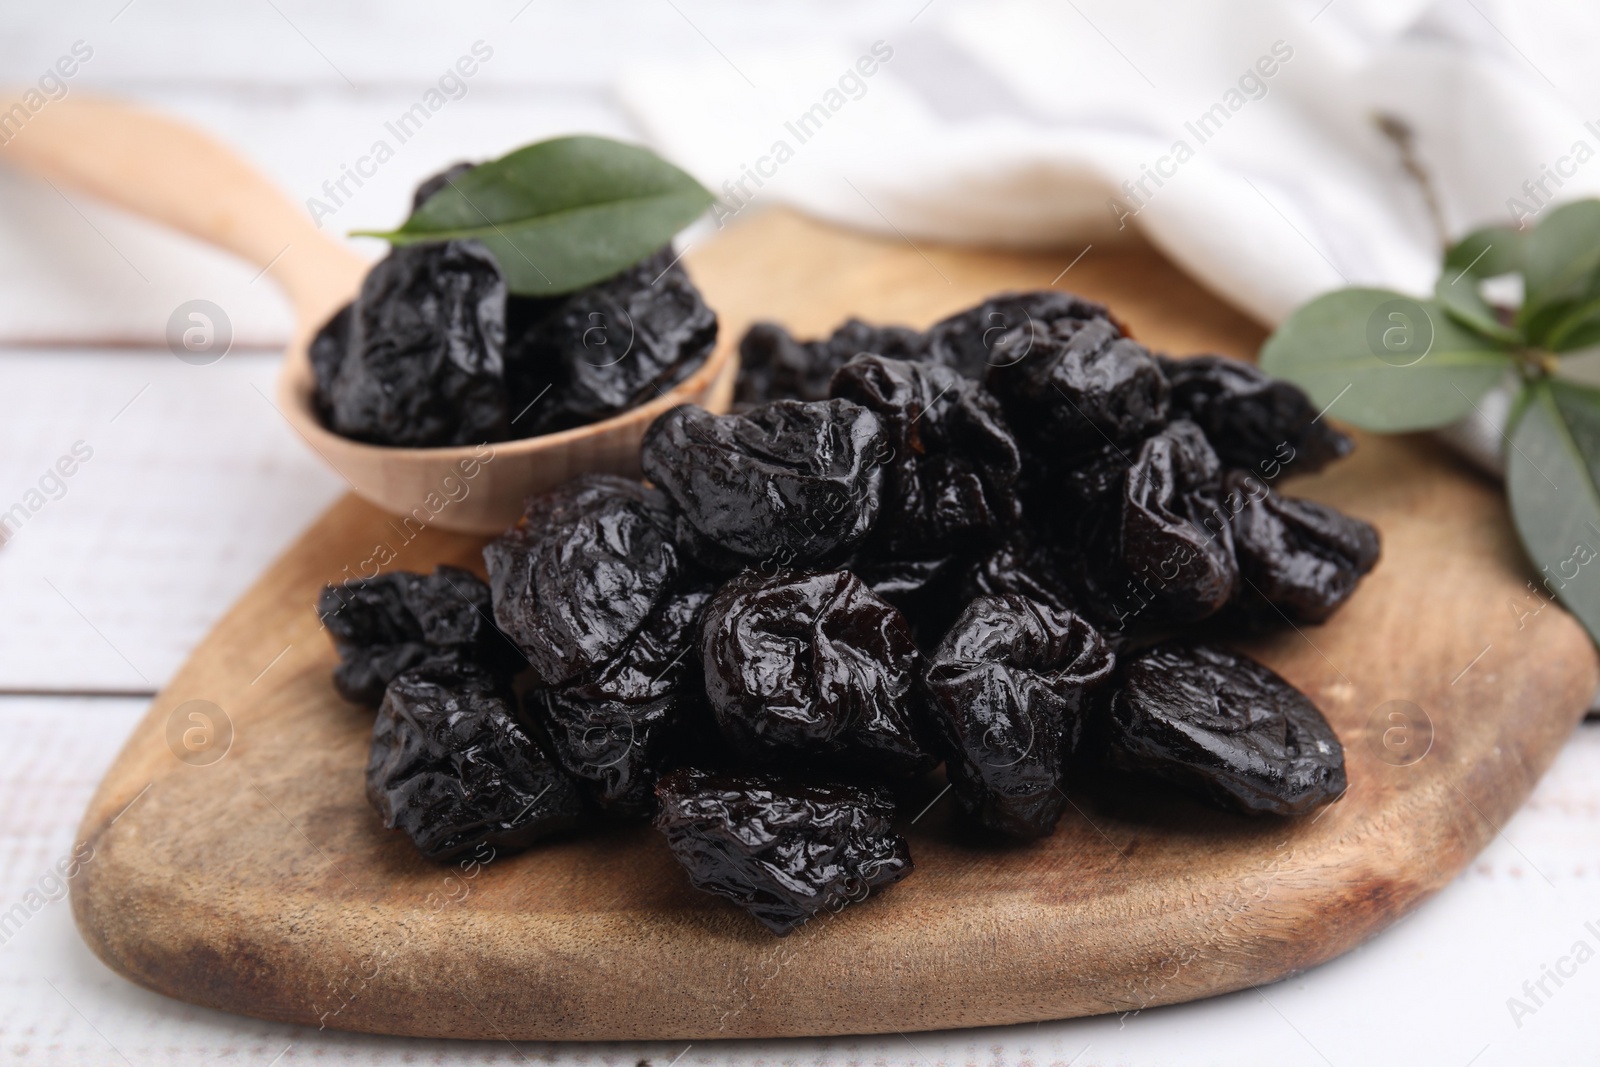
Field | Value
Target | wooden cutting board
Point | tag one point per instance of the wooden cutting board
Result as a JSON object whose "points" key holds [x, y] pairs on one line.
{"points": [[251, 875]]}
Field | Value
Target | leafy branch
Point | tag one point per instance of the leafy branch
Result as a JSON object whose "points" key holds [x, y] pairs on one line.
{"points": [[1394, 363]]}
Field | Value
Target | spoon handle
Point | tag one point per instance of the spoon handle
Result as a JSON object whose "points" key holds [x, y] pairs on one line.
{"points": [[170, 172]]}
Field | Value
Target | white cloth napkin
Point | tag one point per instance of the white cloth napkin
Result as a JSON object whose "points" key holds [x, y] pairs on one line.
{"points": [[1032, 123]]}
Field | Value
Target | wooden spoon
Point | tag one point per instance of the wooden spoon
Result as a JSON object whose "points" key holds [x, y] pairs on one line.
{"points": [[168, 171]]}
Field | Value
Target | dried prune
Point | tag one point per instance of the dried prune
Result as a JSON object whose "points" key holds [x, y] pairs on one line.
{"points": [[1224, 728], [439, 181], [789, 483], [950, 485], [781, 850], [327, 353], [1021, 564], [607, 347], [452, 768], [1302, 558], [616, 730], [813, 669], [581, 571], [774, 366], [1076, 384], [972, 341], [422, 364], [1009, 685], [1253, 421], [396, 621], [1175, 543]]}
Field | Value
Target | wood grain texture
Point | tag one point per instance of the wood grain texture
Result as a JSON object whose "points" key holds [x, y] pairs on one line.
{"points": [[264, 884], [174, 174]]}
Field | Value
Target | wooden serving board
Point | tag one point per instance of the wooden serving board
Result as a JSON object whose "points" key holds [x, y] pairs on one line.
{"points": [[252, 876]]}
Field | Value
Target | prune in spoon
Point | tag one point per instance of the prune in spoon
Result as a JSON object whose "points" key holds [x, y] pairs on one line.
{"points": [[422, 361]]}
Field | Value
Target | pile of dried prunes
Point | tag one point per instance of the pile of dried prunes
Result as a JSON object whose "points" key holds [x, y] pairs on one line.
{"points": [[986, 546], [434, 351]]}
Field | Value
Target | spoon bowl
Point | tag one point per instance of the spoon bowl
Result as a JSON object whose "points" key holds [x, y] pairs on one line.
{"points": [[172, 173]]}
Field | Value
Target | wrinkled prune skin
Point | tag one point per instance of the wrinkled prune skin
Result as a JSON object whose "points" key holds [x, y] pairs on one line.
{"points": [[607, 347], [1254, 421], [388, 624], [1023, 565], [422, 364], [1009, 686], [581, 571], [950, 484], [617, 730], [774, 366], [1176, 545], [1226, 729], [786, 483], [1075, 385], [439, 181], [1302, 558], [973, 341], [327, 353], [781, 850], [452, 768], [813, 669]]}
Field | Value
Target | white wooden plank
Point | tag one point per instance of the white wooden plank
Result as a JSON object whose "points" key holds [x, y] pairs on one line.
{"points": [[1432, 990], [194, 483]]}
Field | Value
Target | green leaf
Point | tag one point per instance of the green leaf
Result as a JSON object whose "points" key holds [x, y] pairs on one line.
{"points": [[1486, 253], [1384, 361], [1551, 478], [562, 214], [1561, 273]]}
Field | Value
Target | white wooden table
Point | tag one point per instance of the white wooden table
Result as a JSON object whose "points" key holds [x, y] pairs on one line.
{"points": [[192, 483]]}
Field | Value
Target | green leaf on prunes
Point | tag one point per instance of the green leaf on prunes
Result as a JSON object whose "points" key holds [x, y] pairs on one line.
{"points": [[561, 214]]}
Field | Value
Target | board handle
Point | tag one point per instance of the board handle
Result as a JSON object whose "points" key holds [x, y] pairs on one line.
{"points": [[172, 173]]}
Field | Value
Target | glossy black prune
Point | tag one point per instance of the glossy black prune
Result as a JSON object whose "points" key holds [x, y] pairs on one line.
{"points": [[615, 731], [786, 483], [973, 341], [1175, 544], [452, 768], [422, 363], [1009, 684], [781, 850], [1023, 564], [605, 348], [1076, 384], [774, 366], [581, 571], [813, 669], [1254, 421], [439, 181], [393, 622], [1301, 558], [1224, 728], [950, 482]]}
